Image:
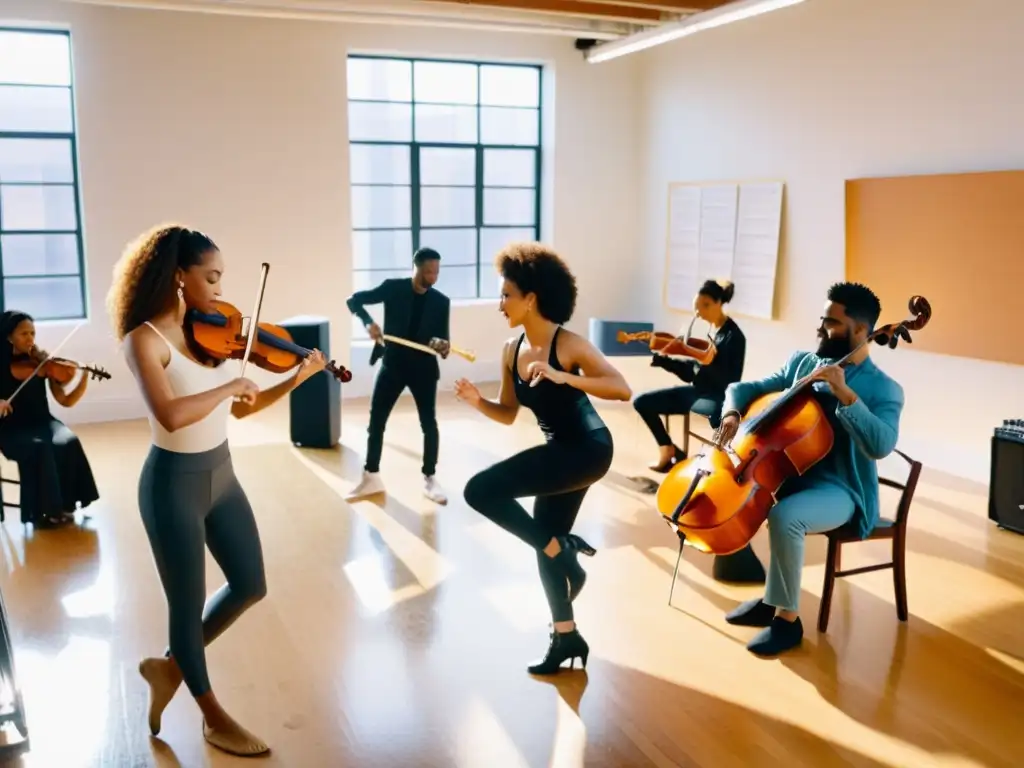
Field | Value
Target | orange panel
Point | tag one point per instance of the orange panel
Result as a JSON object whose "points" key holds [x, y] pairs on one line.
{"points": [[956, 239]]}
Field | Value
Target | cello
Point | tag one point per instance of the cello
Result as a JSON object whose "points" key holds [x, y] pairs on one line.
{"points": [[719, 499], [701, 350]]}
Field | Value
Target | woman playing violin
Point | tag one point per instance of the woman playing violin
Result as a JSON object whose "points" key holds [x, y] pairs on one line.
{"points": [[54, 472], [706, 382], [188, 493]]}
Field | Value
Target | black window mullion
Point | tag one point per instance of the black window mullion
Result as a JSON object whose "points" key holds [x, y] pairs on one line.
{"points": [[414, 191]]}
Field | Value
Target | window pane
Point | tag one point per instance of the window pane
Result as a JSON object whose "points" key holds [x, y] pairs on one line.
{"points": [[381, 207], [45, 297], [458, 282], [379, 122], [510, 86], [510, 167], [39, 255], [445, 125], [445, 82], [509, 206], [34, 58], [382, 249], [379, 80], [448, 167], [39, 110], [36, 160], [447, 206], [379, 164], [499, 125], [42, 208], [456, 246], [491, 243]]}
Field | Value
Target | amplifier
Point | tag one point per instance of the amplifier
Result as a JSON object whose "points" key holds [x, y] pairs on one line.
{"points": [[315, 412], [1006, 485]]}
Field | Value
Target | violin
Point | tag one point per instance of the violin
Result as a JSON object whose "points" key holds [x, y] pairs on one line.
{"points": [[60, 369], [718, 503], [219, 334], [701, 350]]}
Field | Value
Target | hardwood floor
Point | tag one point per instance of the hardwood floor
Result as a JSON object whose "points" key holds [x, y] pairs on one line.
{"points": [[396, 633]]}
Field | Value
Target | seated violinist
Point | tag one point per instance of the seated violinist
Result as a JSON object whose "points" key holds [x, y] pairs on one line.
{"points": [[863, 405], [706, 382], [54, 472]]}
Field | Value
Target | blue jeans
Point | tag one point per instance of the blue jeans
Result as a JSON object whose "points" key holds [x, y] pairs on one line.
{"points": [[816, 508]]}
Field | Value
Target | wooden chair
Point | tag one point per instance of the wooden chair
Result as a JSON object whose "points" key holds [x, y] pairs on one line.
{"points": [[4, 503], [711, 409], [896, 530]]}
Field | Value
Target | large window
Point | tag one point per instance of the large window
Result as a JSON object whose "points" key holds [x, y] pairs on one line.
{"points": [[41, 260], [445, 155]]}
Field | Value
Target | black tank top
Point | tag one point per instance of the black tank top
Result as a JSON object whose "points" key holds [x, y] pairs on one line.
{"points": [[563, 412]]}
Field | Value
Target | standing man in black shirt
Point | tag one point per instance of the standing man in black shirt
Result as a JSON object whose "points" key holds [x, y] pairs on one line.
{"points": [[416, 311]]}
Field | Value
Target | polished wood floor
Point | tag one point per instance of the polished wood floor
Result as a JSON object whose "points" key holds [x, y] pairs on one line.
{"points": [[396, 633]]}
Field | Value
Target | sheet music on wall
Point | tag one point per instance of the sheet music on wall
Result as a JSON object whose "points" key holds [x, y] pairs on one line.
{"points": [[729, 231]]}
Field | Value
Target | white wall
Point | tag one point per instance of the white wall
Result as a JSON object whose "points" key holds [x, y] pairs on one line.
{"points": [[237, 126], [837, 89]]}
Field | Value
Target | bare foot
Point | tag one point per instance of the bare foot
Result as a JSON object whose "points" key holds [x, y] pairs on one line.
{"points": [[233, 738], [164, 678]]}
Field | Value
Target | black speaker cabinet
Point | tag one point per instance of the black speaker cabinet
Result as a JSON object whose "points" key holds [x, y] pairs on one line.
{"points": [[1006, 487], [315, 405]]}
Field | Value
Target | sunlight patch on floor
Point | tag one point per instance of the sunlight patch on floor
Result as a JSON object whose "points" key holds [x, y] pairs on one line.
{"points": [[481, 733]]}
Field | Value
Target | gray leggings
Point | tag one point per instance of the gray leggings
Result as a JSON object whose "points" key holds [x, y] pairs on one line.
{"points": [[189, 500]]}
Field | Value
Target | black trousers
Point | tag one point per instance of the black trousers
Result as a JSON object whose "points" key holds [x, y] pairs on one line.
{"points": [[388, 387], [558, 475], [674, 401]]}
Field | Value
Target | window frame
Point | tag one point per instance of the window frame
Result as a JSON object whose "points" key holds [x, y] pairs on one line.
{"points": [[479, 147], [76, 185]]}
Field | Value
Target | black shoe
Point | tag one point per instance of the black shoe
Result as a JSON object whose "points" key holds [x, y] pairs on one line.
{"points": [[665, 466], [564, 645], [572, 545], [753, 613], [779, 637]]}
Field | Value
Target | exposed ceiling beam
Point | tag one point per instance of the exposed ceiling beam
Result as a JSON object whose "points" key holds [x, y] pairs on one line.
{"points": [[585, 9], [672, 6], [400, 12], [690, 25]]}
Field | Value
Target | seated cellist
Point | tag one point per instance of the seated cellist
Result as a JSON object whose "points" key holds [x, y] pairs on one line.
{"points": [[863, 405]]}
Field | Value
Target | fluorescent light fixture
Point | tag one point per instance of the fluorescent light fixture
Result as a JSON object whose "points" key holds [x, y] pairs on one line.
{"points": [[691, 25]]}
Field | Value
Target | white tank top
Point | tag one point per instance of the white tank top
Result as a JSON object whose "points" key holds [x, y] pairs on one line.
{"points": [[187, 377]]}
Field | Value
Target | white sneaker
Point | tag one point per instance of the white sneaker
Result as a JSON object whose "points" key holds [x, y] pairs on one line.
{"points": [[370, 485], [433, 491]]}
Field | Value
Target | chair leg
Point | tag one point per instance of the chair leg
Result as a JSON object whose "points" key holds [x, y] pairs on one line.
{"points": [[899, 574], [675, 573], [832, 560], [686, 433]]}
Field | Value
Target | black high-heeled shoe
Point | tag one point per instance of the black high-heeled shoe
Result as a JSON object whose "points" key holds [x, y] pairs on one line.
{"points": [[564, 645], [566, 559]]}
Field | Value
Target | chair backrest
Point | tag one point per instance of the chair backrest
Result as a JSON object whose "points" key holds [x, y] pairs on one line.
{"points": [[908, 488]]}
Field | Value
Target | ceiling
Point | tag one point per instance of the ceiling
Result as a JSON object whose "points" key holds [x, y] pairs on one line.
{"points": [[586, 19]]}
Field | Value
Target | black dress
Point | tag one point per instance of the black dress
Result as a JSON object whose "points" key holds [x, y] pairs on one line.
{"points": [[53, 470]]}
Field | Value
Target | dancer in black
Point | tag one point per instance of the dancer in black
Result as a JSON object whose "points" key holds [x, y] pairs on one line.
{"points": [[703, 382], [53, 470], [416, 311], [189, 496], [551, 374]]}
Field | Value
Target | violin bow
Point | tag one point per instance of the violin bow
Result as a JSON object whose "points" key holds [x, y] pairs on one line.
{"points": [[45, 360], [254, 320]]}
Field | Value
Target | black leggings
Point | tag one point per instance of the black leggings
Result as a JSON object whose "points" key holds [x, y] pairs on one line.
{"points": [[558, 474], [674, 401], [189, 501]]}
